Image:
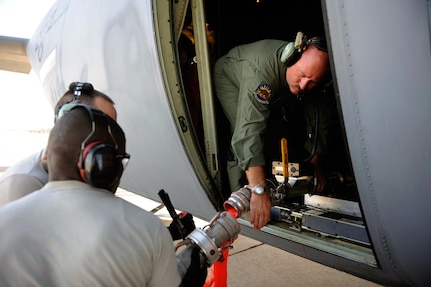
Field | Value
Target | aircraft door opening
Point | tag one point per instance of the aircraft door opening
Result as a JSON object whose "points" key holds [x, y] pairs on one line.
{"points": [[332, 220]]}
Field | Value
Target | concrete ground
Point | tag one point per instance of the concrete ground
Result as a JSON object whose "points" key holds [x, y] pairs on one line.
{"points": [[280, 268]]}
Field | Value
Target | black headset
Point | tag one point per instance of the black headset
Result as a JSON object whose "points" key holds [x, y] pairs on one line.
{"points": [[99, 163], [293, 50]]}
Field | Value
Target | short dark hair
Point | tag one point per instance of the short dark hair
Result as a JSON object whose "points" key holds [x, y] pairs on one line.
{"points": [[87, 96]]}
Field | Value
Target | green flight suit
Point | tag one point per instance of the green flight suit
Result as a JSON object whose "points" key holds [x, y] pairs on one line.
{"points": [[249, 80]]}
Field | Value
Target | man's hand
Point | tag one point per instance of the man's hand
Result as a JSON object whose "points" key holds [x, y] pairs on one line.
{"points": [[321, 180], [189, 225], [260, 205], [316, 161], [260, 210]]}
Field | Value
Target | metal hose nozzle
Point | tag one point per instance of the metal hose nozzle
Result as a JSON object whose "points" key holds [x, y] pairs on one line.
{"points": [[239, 202]]}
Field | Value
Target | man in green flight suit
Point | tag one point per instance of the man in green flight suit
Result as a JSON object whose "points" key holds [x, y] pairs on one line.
{"points": [[250, 80]]}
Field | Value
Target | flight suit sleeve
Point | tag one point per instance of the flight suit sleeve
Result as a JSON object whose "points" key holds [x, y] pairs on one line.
{"points": [[252, 115]]}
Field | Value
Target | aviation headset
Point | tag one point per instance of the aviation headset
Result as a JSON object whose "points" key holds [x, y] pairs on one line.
{"points": [[293, 51], [77, 88], [99, 163]]}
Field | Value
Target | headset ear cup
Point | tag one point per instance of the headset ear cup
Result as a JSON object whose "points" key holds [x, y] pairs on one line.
{"points": [[99, 165], [293, 58], [290, 55], [287, 52]]}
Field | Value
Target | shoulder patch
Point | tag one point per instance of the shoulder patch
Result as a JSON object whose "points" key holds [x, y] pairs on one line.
{"points": [[263, 93]]}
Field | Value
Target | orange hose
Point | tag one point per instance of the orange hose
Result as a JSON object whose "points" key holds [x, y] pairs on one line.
{"points": [[217, 274]]}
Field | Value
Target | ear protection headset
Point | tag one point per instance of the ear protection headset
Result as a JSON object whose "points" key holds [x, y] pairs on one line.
{"points": [[99, 163], [293, 51], [77, 88]]}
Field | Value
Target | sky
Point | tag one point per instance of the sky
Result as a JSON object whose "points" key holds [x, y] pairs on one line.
{"points": [[23, 104], [20, 18], [25, 114]]}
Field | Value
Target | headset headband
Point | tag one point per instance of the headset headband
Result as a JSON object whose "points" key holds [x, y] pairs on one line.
{"points": [[78, 88], [302, 42], [96, 116], [293, 50], [77, 92]]}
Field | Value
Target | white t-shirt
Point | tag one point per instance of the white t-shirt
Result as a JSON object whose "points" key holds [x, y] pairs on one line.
{"points": [[71, 234], [22, 178]]}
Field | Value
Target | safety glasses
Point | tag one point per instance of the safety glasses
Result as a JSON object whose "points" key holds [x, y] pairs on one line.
{"points": [[124, 159]]}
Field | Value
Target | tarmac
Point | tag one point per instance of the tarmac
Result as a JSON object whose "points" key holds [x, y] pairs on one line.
{"points": [[250, 262]]}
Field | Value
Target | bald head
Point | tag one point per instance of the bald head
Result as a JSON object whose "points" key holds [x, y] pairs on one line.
{"points": [[73, 130], [309, 71]]}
